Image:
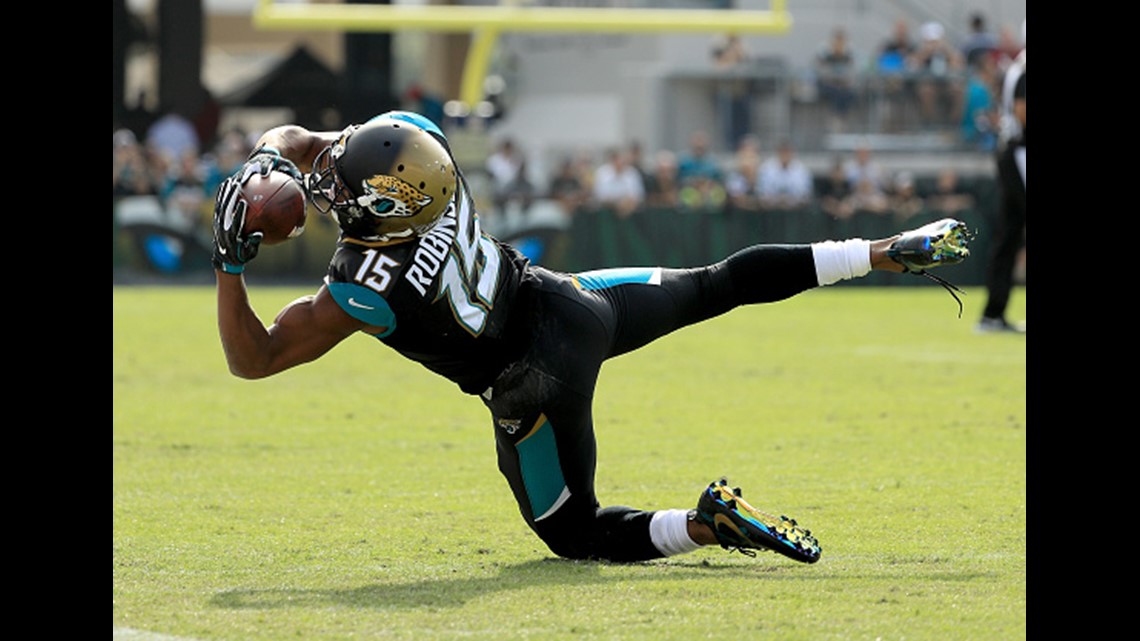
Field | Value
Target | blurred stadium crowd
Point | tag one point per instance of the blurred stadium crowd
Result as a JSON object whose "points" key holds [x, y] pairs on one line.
{"points": [[165, 176]]}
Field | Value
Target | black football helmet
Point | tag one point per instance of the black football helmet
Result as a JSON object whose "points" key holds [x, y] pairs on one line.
{"points": [[384, 180]]}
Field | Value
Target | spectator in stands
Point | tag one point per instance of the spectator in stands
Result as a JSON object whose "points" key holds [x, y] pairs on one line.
{"points": [[980, 115], [122, 143], [784, 182], [979, 41], [185, 194], [741, 182], [637, 159], [903, 196], [938, 68], [867, 180], [866, 198], [662, 188], [835, 72], [132, 173], [122, 138], [171, 136], [700, 175], [566, 188], [862, 167], [742, 177], [503, 166], [520, 192], [834, 191], [895, 52], [728, 51], [617, 185], [703, 194], [748, 146], [698, 161], [229, 153], [733, 92], [584, 168], [949, 196], [894, 60]]}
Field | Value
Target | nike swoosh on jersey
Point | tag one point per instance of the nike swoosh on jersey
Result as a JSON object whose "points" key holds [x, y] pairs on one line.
{"points": [[352, 301]]}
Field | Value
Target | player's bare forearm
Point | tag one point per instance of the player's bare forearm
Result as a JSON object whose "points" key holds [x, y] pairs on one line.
{"points": [[879, 258], [245, 340], [298, 144], [303, 331]]}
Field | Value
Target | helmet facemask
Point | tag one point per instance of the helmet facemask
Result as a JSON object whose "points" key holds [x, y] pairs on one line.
{"points": [[326, 189]]}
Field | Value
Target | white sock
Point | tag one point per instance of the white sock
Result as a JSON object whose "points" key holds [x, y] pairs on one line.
{"points": [[669, 531], [841, 260]]}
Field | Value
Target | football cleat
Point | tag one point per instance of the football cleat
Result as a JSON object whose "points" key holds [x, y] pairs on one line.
{"points": [[943, 242], [740, 526]]}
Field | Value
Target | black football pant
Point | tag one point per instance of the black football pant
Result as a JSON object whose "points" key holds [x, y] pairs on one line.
{"points": [[542, 404], [1008, 234]]}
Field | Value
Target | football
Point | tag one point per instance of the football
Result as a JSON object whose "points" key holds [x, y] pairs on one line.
{"points": [[276, 207]]}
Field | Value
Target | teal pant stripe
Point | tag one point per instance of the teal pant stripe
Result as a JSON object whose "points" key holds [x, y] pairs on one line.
{"points": [[603, 278], [541, 472]]}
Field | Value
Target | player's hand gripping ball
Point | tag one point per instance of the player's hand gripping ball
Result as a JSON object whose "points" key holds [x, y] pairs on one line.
{"points": [[275, 206], [261, 202]]}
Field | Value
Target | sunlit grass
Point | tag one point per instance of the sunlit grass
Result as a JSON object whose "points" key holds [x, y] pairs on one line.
{"points": [[357, 497]]}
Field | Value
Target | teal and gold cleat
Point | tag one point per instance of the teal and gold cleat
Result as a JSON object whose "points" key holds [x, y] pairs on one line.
{"points": [[943, 242], [740, 526]]}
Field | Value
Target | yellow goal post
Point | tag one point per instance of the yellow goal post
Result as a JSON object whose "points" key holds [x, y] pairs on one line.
{"points": [[486, 22]]}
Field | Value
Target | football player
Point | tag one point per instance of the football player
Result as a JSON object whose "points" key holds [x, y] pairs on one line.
{"points": [[413, 268]]}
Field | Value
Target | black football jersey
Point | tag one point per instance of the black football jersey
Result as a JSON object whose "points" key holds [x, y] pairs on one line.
{"points": [[447, 299]]}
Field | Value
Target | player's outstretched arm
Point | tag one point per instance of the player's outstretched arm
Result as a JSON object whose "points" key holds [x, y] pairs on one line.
{"points": [[297, 144], [303, 331]]}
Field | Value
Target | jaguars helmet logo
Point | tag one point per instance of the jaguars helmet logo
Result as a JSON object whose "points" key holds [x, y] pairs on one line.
{"points": [[388, 196]]}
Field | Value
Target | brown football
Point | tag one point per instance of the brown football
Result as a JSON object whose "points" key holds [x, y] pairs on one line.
{"points": [[276, 207]]}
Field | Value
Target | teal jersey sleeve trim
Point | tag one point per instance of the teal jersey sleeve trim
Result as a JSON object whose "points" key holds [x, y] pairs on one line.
{"points": [[364, 305], [603, 278]]}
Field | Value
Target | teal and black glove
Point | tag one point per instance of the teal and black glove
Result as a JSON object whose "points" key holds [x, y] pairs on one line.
{"points": [[232, 249], [267, 159]]}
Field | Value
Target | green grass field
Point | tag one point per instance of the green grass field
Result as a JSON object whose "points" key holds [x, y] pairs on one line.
{"points": [[357, 497]]}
